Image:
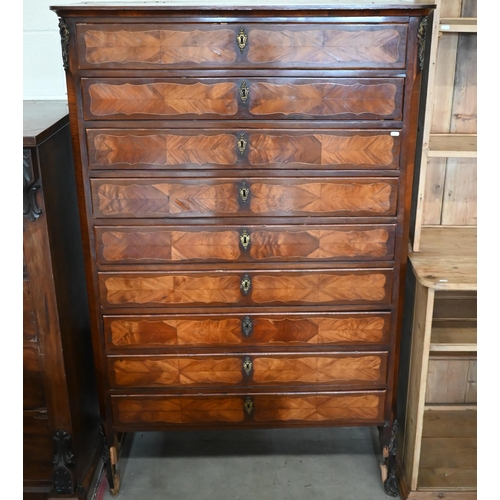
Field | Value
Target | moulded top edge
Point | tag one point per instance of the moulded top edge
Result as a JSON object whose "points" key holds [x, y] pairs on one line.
{"points": [[247, 5]]}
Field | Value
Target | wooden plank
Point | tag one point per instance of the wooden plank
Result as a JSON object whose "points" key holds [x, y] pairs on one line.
{"points": [[442, 495], [448, 477], [454, 339], [456, 452], [446, 407], [450, 423], [448, 258], [471, 392], [421, 168], [458, 306], [433, 192], [446, 58], [453, 145], [464, 106], [448, 381], [460, 188], [458, 25], [421, 335]]}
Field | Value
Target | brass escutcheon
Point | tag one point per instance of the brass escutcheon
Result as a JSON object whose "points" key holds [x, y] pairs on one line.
{"points": [[247, 365], [246, 284], [244, 191], [241, 39], [249, 405], [247, 326], [245, 239], [241, 143], [244, 92]]}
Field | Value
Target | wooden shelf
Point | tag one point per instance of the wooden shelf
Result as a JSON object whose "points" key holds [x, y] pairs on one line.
{"points": [[447, 259], [458, 25], [452, 146], [453, 340], [449, 450]]}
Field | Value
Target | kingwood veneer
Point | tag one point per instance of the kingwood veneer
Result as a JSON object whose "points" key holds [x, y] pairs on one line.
{"points": [[244, 181]]}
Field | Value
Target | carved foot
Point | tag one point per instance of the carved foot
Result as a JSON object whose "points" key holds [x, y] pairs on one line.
{"points": [[391, 483], [116, 482], [388, 466], [110, 458]]}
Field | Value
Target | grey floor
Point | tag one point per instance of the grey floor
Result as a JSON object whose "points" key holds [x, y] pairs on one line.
{"points": [[276, 464]]}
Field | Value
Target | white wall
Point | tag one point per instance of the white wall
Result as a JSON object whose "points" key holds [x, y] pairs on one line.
{"points": [[43, 73]]}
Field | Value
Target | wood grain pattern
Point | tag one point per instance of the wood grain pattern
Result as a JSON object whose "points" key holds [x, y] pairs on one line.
{"points": [[322, 149], [171, 289], [323, 99], [449, 380], [227, 370], [324, 288], [319, 244], [340, 287], [155, 149], [184, 198], [175, 371], [157, 199], [318, 369], [337, 46], [283, 98], [321, 197], [164, 246], [366, 407], [159, 46], [165, 331], [166, 99], [178, 410], [153, 45], [312, 408], [163, 149], [157, 245]]}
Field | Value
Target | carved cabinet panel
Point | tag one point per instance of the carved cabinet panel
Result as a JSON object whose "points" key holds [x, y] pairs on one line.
{"points": [[244, 177], [60, 405]]}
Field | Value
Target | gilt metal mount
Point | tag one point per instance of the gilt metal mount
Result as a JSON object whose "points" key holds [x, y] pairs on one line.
{"points": [[241, 39]]}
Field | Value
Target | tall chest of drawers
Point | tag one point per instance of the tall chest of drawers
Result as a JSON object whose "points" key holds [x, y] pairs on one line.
{"points": [[244, 176]]}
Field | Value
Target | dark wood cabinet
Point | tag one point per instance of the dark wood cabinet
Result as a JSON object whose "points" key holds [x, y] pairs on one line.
{"points": [[61, 449], [244, 179]]}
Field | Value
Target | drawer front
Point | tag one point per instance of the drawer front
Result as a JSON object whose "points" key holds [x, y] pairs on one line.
{"points": [[232, 330], [177, 198], [222, 149], [275, 98], [345, 369], [247, 45], [246, 288], [162, 245], [320, 408]]}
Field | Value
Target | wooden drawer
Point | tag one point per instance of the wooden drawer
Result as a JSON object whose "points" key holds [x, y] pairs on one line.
{"points": [[185, 244], [190, 288], [241, 330], [253, 369], [247, 45], [242, 98], [162, 149], [306, 408], [177, 198]]}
